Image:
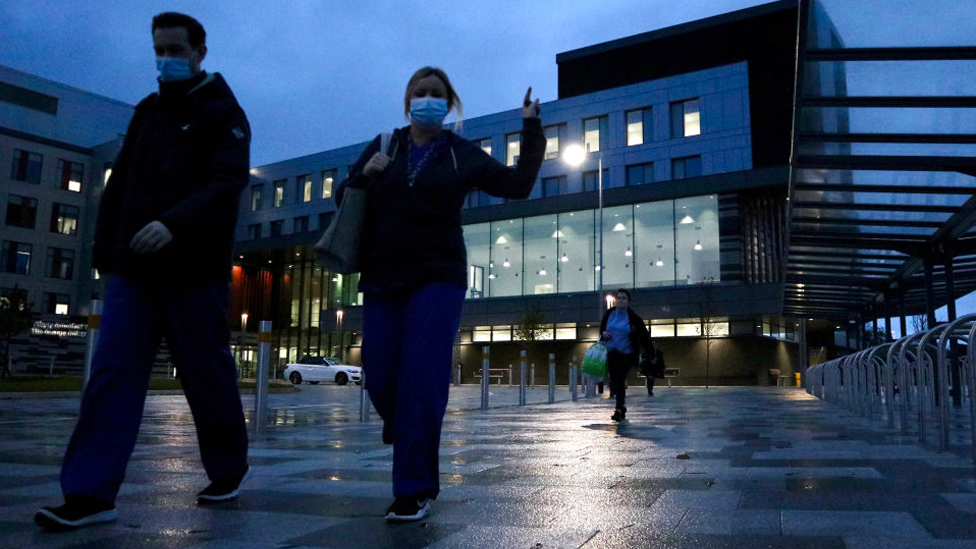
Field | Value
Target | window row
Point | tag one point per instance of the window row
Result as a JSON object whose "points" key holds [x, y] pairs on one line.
{"points": [[16, 258], [306, 189], [22, 212], [685, 122], [54, 303], [26, 166], [664, 243]]}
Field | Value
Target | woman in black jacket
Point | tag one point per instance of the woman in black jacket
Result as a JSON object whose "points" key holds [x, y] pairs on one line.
{"points": [[626, 337], [414, 270]]}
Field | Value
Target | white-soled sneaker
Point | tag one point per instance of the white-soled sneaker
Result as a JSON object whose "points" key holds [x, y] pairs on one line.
{"points": [[222, 490], [75, 513], [408, 509]]}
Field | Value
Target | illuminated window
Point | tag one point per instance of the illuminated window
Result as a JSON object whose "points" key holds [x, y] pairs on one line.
{"points": [[485, 145], [552, 141], [685, 119], [70, 175], [638, 124], [595, 132], [279, 193], [64, 219], [513, 144], [305, 187], [328, 179], [57, 304]]}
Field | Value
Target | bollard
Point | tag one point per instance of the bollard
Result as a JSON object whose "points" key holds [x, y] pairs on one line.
{"points": [[572, 381], [458, 376], [94, 325], [509, 375], [532, 378], [569, 380], [552, 378], [261, 389], [522, 377], [363, 398], [484, 378]]}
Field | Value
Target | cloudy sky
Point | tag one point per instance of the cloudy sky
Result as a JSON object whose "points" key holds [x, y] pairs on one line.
{"points": [[319, 74]]}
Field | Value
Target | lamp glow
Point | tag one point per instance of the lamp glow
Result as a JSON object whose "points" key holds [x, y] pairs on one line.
{"points": [[574, 155]]}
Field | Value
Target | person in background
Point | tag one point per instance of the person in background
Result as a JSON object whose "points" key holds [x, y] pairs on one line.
{"points": [[164, 233], [413, 267], [625, 336]]}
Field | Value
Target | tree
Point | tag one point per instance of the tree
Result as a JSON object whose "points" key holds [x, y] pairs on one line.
{"points": [[531, 328], [707, 327], [920, 323], [15, 317]]}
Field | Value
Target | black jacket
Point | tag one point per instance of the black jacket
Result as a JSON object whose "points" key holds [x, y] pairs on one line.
{"points": [[640, 338], [184, 162], [412, 234]]}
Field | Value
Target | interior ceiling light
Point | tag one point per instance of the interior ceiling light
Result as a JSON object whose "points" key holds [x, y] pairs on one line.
{"points": [[542, 272], [619, 227], [506, 263], [491, 276], [687, 219], [698, 246], [659, 262], [628, 253], [501, 240], [564, 258], [557, 234]]}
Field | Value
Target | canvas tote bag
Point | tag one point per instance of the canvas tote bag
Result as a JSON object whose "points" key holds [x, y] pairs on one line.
{"points": [[338, 249]]}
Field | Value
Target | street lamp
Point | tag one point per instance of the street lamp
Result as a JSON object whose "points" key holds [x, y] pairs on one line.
{"points": [[339, 314], [574, 155]]}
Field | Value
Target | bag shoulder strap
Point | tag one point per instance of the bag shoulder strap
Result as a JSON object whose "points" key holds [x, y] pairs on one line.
{"points": [[385, 139]]}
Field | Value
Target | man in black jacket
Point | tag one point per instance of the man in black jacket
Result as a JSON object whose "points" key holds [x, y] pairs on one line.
{"points": [[165, 234]]}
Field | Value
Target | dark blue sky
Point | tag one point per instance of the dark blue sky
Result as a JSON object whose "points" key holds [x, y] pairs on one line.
{"points": [[315, 75]]}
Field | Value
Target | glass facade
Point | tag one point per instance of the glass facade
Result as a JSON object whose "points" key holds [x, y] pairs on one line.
{"points": [[666, 243]]}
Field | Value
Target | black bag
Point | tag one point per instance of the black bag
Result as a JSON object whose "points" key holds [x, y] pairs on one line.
{"points": [[657, 370]]}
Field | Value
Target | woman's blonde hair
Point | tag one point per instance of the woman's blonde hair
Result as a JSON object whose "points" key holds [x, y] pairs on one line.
{"points": [[453, 101]]}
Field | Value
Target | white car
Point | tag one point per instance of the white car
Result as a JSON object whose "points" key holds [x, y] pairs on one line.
{"points": [[314, 369]]}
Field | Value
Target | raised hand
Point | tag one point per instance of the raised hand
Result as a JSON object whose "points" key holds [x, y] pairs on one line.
{"points": [[530, 108]]}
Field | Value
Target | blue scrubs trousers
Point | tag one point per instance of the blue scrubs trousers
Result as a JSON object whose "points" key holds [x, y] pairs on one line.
{"points": [[408, 343], [194, 322]]}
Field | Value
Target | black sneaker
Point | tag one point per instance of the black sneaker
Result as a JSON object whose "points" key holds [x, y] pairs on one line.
{"points": [[76, 512], [617, 415], [407, 509], [222, 490]]}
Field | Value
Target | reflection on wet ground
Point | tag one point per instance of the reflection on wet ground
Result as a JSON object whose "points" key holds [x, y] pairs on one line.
{"points": [[735, 467]]}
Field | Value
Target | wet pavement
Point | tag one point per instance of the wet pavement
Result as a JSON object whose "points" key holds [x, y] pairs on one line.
{"points": [[742, 467]]}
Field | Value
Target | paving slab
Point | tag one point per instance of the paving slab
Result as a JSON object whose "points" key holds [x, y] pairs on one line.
{"points": [[742, 467]]}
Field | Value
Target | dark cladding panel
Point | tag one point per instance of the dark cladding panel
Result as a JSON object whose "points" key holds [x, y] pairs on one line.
{"points": [[764, 37], [28, 98]]}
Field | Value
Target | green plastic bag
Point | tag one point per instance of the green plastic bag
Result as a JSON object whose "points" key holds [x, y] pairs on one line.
{"points": [[595, 360]]}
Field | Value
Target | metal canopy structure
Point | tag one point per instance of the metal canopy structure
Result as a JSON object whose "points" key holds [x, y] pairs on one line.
{"points": [[882, 196]]}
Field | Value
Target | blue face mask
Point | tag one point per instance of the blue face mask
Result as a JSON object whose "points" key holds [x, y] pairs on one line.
{"points": [[173, 69], [428, 112]]}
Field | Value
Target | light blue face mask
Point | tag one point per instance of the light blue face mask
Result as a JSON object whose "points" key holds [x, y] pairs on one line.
{"points": [[428, 112], [173, 69]]}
